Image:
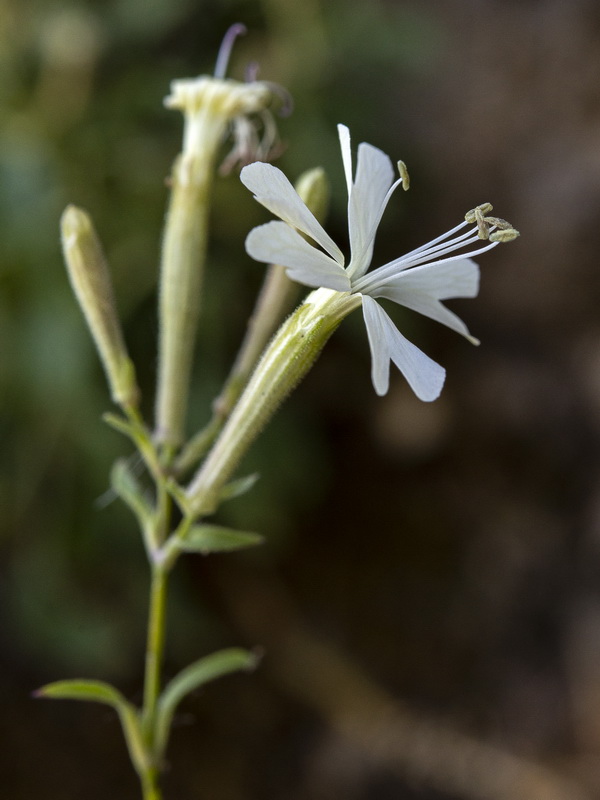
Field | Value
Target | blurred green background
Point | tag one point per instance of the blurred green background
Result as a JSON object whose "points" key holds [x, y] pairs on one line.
{"points": [[429, 594]]}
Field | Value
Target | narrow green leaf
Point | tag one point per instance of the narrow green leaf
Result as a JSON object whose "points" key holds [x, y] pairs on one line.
{"points": [[101, 692], [239, 486], [197, 674], [118, 423], [178, 494], [206, 539], [94, 691], [125, 484], [132, 730], [136, 431]]}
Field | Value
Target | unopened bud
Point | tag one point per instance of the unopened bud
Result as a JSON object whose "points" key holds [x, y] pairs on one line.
{"points": [[313, 188], [90, 279]]}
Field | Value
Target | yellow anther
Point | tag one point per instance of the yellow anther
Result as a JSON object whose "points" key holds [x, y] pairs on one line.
{"points": [[482, 225], [404, 176], [484, 208], [506, 235], [498, 222]]}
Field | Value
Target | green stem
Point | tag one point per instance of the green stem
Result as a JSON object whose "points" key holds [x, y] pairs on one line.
{"points": [[154, 647], [199, 444], [150, 788], [152, 680], [155, 643], [163, 505]]}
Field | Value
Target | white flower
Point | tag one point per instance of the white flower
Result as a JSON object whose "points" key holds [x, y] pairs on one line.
{"points": [[419, 280]]}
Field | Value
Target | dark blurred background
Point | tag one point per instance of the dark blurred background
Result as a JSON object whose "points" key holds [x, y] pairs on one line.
{"points": [[428, 598]]}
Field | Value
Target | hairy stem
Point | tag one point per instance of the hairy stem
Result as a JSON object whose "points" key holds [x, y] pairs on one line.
{"points": [[154, 646], [152, 680]]}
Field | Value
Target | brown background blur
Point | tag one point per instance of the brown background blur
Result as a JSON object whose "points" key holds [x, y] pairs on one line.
{"points": [[429, 594]]}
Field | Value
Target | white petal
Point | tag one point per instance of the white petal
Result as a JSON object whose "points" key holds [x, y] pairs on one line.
{"points": [[424, 376], [374, 176], [430, 307], [344, 135], [421, 289], [442, 280], [277, 243], [273, 190]]}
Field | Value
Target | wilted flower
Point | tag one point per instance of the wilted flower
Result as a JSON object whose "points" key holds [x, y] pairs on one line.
{"points": [[215, 106]]}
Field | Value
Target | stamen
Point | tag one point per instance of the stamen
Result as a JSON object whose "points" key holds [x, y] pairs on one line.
{"points": [[404, 176], [381, 275], [238, 29], [425, 252], [437, 239]]}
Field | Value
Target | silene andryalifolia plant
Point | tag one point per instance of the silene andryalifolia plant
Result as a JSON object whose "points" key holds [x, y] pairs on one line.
{"points": [[272, 360]]}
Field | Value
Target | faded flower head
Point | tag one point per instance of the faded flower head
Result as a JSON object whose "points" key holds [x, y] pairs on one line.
{"points": [[419, 280], [215, 106]]}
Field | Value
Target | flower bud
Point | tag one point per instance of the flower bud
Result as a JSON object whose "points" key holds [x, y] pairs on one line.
{"points": [[313, 188], [90, 279]]}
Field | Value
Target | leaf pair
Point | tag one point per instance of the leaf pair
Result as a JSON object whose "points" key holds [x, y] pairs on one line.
{"points": [[143, 754]]}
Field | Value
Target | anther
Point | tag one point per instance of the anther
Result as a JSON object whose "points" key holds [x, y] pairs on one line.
{"points": [[499, 223], [484, 208], [404, 176], [484, 231], [506, 235]]}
